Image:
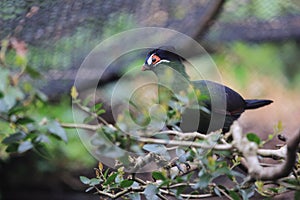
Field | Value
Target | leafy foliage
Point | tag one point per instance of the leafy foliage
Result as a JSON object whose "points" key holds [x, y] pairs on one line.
{"points": [[23, 130], [200, 169]]}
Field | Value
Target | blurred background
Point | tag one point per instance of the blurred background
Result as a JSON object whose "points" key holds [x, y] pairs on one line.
{"points": [[254, 43]]}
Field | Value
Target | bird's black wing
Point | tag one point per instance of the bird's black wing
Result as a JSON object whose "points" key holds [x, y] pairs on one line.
{"points": [[219, 98]]}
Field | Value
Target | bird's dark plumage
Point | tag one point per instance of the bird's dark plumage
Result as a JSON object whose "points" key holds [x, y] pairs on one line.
{"points": [[223, 105], [256, 103]]}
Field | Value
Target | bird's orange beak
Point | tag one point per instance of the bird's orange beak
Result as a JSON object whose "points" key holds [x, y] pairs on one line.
{"points": [[145, 67]]}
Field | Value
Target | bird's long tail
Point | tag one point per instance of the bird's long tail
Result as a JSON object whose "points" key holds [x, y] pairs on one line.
{"points": [[257, 103]]}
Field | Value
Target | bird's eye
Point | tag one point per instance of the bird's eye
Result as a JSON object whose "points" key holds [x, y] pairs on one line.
{"points": [[155, 59]]}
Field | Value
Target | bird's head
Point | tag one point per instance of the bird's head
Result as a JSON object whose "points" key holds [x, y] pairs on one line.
{"points": [[162, 55]]}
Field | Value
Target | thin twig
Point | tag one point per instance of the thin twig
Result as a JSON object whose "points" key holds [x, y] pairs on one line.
{"points": [[162, 197], [121, 193], [223, 192], [139, 180], [190, 196], [186, 136], [178, 185], [82, 126], [87, 110]]}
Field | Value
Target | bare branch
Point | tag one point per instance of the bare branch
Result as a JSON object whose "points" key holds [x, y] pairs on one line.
{"points": [[185, 143], [250, 151], [273, 153], [188, 136], [121, 193]]}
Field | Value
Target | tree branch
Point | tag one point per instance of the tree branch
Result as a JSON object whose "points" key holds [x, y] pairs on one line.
{"points": [[82, 126], [250, 151], [273, 153], [187, 136], [183, 140], [185, 143]]}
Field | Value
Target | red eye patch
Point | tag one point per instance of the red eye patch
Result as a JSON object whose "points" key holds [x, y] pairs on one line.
{"points": [[155, 59]]}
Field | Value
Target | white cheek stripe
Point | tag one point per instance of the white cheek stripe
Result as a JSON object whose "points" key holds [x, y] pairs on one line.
{"points": [[149, 61], [162, 61]]}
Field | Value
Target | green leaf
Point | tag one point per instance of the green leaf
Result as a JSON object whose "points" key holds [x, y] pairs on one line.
{"points": [[100, 112], [204, 180], [253, 138], [110, 179], [16, 137], [275, 190], [24, 120], [106, 173], [13, 95], [234, 195], [292, 181], [55, 128], [158, 176], [126, 183], [42, 150], [94, 181], [25, 146], [32, 72], [247, 193], [134, 196], [97, 107], [12, 148], [42, 138], [217, 192], [88, 119], [180, 190], [16, 109], [151, 191], [85, 180], [223, 153]]}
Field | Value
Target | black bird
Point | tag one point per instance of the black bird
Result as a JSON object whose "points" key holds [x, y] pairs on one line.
{"points": [[222, 105]]}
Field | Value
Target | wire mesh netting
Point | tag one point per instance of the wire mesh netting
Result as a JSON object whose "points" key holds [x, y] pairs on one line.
{"points": [[69, 29], [246, 20]]}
